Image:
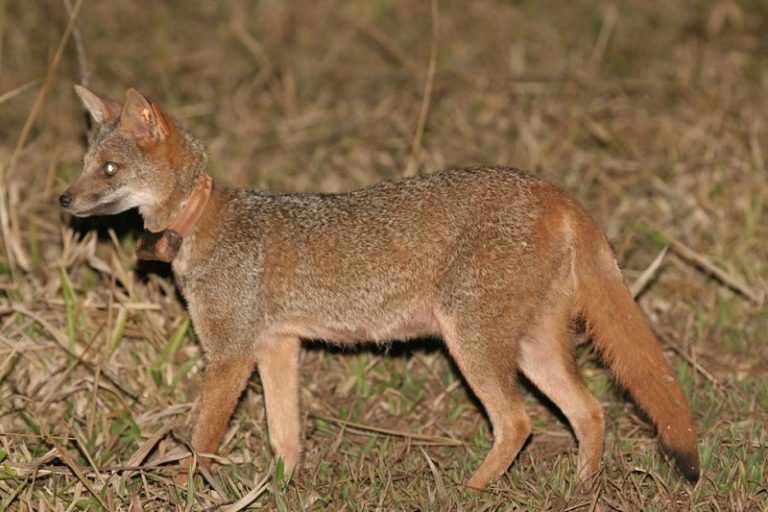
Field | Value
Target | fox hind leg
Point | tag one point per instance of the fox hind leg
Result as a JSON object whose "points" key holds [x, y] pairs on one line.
{"points": [[492, 377], [278, 363], [546, 359]]}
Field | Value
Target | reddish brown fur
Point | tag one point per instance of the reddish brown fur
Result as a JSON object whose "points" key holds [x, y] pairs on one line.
{"points": [[495, 261], [627, 343]]}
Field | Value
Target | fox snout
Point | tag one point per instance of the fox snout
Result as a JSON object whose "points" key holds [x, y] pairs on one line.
{"points": [[92, 195], [77, 200], [68, 198], [88, 197]]}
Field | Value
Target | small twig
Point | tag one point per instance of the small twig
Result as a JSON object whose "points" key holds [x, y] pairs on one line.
{"points": [[7, 96], [610, 15], [696, 366], [139, 455], [442, 494], [754, 143], [61, 343], [67, 459], [10, 356], [702, 262], [47, 437], [2, 31], [410, 168], [654, 475], [386, 47], [251, 496], [82, 67], [38, 104], [351, 426], [85, 470], [81, 445], [648, 274], [79, 49], [68, 371], [251, 44], [13, 251], [208, 477]]}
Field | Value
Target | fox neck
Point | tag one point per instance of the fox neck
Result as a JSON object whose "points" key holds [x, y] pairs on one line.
{"points": [[186, 164]]}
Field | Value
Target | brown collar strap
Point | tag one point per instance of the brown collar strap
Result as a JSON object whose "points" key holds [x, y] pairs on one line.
{"points": [[192, 209], [163, 244]]}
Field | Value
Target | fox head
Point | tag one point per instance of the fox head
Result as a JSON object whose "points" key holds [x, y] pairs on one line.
{"points": [[138, 158]]}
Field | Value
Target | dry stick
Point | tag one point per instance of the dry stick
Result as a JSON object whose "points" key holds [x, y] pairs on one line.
{"points": [[95, 388], [10, 356], [79, 49], [37, 105], [68, 371], [610, 16], [350, 425], [410, 168], [2, 31], [754, 143], [41, 468], [389, 51], [266, 67], [648, 274], [61, 340], [39, 461], [385, 492], [39, 464], [5, 230], [442, 494], [7, 96], [195, 465], [7, 172], [84, 450], [729, 279], [96, 306], [595, 499], [669, 342], [67, 459], [252, 45], [82, 67], [37, 436], [251, 496], [139, 455]]}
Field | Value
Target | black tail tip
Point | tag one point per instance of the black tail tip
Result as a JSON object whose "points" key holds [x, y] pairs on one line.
{"points": [[688, 465]]}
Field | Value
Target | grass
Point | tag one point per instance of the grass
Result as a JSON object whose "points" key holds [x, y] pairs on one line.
{"points": [[652, 115]]}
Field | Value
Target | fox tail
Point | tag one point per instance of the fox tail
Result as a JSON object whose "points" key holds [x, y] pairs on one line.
{"points": [[626, 342]]}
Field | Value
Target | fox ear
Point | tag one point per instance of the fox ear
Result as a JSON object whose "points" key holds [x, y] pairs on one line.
{"points": [[143, 119], [102, 110]]}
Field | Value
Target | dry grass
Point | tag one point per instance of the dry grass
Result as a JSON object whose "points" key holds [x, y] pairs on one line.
{"points": [[653, 114]]}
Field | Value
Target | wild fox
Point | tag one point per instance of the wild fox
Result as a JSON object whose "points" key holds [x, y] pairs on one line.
{"points": [[493, 260]]}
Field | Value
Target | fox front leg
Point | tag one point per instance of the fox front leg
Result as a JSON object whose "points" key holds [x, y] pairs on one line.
{"points": [[223, 382]]}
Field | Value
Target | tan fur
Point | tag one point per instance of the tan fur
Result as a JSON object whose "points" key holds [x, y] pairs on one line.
{"points": [[495, 261]]}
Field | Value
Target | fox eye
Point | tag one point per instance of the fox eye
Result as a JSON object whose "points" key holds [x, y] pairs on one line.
{"points": [[110, 168]]}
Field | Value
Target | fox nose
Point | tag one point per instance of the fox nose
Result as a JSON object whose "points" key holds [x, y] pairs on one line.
{"points": [[65, 200]]}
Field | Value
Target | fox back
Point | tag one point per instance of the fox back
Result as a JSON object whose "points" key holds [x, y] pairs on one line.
{"points": [[496, 262]]}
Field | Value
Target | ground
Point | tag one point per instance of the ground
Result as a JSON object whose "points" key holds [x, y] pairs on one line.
{"points": [[653, 114]]}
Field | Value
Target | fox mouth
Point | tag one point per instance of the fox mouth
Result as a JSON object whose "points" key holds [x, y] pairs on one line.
{"points": [[104, 208]]}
